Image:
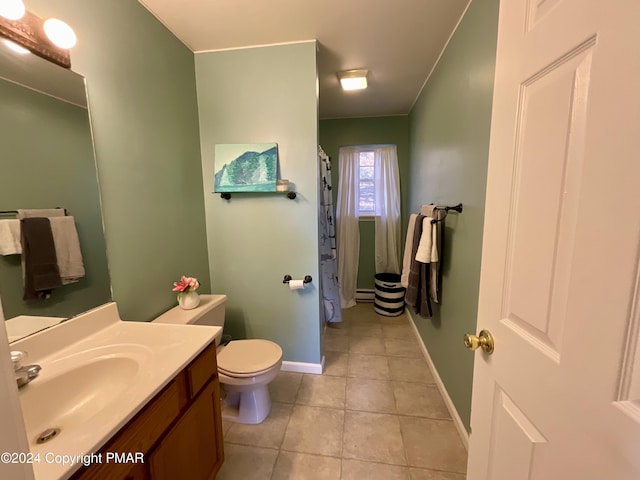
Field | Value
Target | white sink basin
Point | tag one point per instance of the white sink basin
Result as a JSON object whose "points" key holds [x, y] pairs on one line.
{"points": [[74, 389]]}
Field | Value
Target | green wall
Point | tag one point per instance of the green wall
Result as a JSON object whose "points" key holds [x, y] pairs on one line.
{"points": [[48, 162], [264, 95], [449, 133], [143, 108], [369, 131]]}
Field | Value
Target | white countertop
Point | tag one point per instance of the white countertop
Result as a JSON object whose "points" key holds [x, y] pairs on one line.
{"points": [[25, 325], [112, 367]]}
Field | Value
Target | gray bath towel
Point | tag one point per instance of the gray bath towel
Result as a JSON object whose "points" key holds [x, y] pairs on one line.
{"points": [[68, 254], [40, 212], [417, 295], [41, 273]]}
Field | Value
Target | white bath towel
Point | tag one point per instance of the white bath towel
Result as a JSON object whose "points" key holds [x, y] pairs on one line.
{"points": [[408, 248], [65, 239], [10, 237], [427, 210], [428, 246]]}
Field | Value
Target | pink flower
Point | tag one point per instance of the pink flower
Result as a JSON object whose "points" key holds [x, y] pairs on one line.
{"points": [[193, 283], [186, 284]]}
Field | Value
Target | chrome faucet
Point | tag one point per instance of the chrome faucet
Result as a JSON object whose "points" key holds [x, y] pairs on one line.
{"points": [[23, 374]]}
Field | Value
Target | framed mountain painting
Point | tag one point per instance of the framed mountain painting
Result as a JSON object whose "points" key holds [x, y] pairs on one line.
{"points": [[251, 167]]}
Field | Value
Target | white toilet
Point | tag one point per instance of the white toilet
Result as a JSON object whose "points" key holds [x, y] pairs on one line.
{"points": [[245, 367]]}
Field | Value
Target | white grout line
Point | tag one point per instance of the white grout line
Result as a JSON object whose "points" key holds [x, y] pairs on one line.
{"points": [[457, 421]]}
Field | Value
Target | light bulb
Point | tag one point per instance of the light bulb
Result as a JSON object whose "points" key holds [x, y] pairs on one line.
{"points": [[356, 83], [60, 34], [353, 79], [15, 47], [12, 9]]}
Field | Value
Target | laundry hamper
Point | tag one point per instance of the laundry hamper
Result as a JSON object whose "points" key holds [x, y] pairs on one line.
{"points": [[389, 299]]}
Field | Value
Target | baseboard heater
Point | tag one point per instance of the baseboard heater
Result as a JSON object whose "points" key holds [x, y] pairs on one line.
{"points": [[365, 295]]}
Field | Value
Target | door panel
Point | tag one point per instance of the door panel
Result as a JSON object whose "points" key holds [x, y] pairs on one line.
{"points": [[548, 165], [537, 9], [630, 372], [515, 440]]}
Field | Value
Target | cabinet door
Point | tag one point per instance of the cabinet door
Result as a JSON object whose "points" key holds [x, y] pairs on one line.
{"points": [[139, 472], [193, 448], [117, 471]]}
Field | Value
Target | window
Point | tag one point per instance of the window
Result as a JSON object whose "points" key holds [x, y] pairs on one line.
{"points": [[367, 198]]}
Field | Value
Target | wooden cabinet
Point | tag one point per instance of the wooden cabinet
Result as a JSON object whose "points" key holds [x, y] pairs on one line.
{"points": [[138, 472], [189, 450], [178, 434]]}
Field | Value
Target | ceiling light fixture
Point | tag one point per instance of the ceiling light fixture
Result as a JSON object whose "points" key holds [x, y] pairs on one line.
{"points": [[353, 79], [12, 9]]}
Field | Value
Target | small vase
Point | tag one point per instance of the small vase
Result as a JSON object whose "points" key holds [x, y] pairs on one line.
{"points": [[189, 300]]}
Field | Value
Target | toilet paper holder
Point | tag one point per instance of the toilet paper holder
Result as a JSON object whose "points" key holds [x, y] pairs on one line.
{"points": [[288, 278]]}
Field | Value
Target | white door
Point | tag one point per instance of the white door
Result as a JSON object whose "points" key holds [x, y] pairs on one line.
{"points": [[559, 399]]}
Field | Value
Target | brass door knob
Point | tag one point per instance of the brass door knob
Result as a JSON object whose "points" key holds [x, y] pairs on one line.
{"points": [[484, 341]]}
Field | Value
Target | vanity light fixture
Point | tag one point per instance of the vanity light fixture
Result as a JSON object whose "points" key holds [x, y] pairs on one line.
{"points": [[353, 79], [15, 47], [60, 34], [50, 40], [12, 9]]}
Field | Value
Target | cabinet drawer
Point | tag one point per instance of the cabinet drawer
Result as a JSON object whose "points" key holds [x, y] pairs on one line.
{"points": [[201, 370]]}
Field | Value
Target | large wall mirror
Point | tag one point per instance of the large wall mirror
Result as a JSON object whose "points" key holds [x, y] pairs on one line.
{"points": [[48, 162]]}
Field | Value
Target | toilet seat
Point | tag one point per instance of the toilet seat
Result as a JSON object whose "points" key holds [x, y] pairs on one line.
{"points": [[248, 358]]}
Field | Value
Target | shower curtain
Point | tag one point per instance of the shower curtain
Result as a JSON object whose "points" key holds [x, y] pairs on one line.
{"points": [[329, 283]]}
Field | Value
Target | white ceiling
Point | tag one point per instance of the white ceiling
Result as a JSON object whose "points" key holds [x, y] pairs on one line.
{"points": [[398, 41]]}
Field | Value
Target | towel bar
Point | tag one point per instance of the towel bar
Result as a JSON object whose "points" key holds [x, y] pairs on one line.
{"points": [[447, 209], [15, 212], [457, 208]]}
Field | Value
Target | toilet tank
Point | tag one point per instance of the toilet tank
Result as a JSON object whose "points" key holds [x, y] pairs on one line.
{"points": [[210, 312]]}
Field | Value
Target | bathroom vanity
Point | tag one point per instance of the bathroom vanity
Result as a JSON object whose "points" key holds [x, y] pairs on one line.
{"points": [[179, 432], [131, 400]]}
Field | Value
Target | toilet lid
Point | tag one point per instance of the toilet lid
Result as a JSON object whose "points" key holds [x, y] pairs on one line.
{"points": [[242, 357]]}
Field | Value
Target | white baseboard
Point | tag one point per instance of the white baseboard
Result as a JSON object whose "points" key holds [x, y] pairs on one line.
{"points": [[302, 367], [365, 295], [457, 421]]}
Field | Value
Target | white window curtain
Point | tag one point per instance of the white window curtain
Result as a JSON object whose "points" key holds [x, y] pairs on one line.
{"points": [[387, 195], [387, 216], [347, 215]]}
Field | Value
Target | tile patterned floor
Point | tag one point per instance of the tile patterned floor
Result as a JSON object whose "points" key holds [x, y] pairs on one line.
{"points": [[375, 414]]}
